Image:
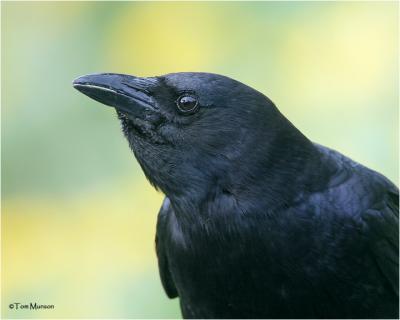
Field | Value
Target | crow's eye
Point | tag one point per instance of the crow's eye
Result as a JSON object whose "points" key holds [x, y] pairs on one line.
{"points": [[187, 103]]}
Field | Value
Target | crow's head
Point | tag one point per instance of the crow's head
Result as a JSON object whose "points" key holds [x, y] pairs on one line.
{"points": [[189, 130]]}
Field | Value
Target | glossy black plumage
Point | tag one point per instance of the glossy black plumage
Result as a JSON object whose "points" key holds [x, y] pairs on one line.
{"points": [[258, 221]]}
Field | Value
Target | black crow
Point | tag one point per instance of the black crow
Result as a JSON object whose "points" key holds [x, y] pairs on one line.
{"points": [[258, 221]]}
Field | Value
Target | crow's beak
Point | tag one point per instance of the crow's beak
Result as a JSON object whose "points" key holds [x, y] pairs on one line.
{"points": [[126, 93]]}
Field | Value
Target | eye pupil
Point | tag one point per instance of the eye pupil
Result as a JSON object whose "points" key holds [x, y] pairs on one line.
{"points": [[187, 103]]}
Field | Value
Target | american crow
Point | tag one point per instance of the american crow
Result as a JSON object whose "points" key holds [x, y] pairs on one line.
{"points": [[258, 221]]}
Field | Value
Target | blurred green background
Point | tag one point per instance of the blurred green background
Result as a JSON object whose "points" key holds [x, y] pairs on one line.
{"points": [[78, 216]]}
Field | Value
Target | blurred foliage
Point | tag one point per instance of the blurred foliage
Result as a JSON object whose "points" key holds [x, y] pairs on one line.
{"points": [[78, 216]]}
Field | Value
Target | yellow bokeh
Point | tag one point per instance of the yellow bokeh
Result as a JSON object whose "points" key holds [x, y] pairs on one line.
{"points": [[162, 38]]}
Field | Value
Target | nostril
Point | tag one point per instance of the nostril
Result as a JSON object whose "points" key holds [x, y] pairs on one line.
{"points": [[137, 86]]}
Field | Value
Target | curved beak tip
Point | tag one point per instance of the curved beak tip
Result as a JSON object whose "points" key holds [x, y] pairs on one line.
{"points": [[76, 82]]}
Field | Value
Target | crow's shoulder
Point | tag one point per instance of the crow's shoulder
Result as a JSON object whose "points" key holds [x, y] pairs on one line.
{"points": [[348, 170], [369, 202]]}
